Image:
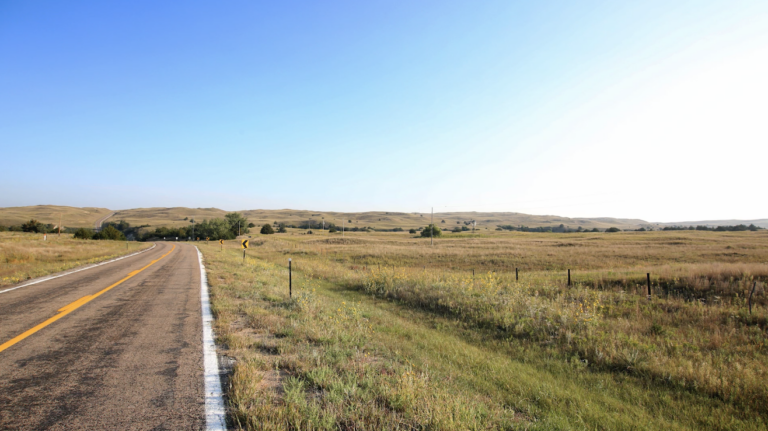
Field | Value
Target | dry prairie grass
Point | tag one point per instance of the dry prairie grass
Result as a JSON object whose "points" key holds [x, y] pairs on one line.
{"points": [[692, 357], [26, 255]]}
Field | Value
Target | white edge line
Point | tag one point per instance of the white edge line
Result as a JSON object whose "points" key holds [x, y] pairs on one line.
{"points": [[214, 401], [40, 280]]}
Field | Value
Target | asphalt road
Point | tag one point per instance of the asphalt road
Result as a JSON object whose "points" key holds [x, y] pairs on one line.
{"points": [[97, 224], [107, 355]]}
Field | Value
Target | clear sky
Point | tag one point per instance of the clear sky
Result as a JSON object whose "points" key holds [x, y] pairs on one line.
{"points": [[652, 109]]}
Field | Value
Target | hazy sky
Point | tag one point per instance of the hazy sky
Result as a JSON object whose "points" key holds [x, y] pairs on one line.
{"points": [[654, 109]]}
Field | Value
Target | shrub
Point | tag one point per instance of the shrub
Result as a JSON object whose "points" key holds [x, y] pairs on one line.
{"points": [[613, 229], [3, 228], [281, 228], [458, 229], [412, 231], [83, 233], [251, 225], [436, 232], [110, 233], [332, 229], [267, 229]]}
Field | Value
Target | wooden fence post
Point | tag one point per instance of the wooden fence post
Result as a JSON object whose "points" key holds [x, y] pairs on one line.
{"points": [[648, 279]]}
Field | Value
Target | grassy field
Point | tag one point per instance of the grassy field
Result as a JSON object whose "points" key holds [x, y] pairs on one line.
{"points": [[51, 214], [26, 255], [385, 332]]}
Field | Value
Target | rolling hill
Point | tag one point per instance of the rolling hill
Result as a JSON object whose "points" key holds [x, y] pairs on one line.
{"points": [[181, 216], [69, 216]]}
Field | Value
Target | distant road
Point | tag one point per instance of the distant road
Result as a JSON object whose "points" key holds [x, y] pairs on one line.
{"points": [[99, 222], [115, 347]]}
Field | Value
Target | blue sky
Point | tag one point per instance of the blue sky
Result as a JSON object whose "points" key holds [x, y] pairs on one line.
{"points": [[653, 110]]}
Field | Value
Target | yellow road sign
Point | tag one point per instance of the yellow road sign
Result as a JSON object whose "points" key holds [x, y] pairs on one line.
{"points": [[221, 241], [245, 243], [207, 238]]}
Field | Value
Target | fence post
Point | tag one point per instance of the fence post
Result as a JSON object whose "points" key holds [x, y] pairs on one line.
{"points": [[569, 277], [290, 280], [648, 279], [754, 284], [516, 274]]}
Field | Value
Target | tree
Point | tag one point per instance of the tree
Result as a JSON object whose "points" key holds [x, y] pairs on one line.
{"points": [[412, 231], [458, 229], [281, 228], [33, 226], [234, 220], [214, 229], [332, 229], [436, 232], [442, 221], [613, 229], [267, 229], [251, 225], [83, 233]]}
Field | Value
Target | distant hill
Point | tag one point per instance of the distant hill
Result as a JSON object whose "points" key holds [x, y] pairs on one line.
{"points": [[181, 216], [70, 216], [714, 223]]}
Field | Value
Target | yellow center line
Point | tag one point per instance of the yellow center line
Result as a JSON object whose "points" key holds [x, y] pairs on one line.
{"points": [[74, 306]]}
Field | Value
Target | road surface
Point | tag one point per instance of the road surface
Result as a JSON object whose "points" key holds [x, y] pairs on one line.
{"points": [[89, 351], [99, 222]]}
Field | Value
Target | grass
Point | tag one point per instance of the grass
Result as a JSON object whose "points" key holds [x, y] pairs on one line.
{"points": [[26, 255], [384, 331], [51, 214]]}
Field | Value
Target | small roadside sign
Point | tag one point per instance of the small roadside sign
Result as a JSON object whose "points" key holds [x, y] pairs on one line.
{"points": [[221, 241], [245, 243]]}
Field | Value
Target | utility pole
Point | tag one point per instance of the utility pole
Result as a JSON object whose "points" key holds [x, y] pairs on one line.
{"points": [[323, 223], [431, 226], [238, 228]]}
